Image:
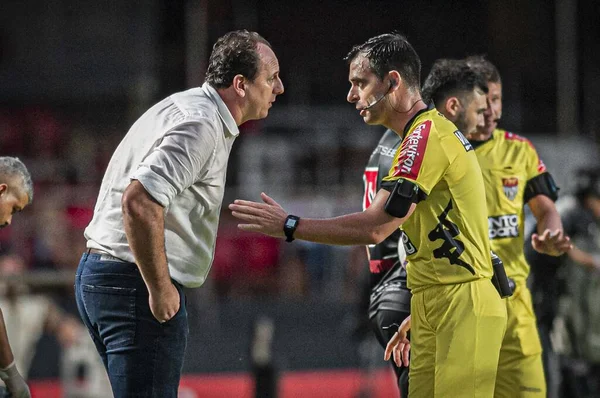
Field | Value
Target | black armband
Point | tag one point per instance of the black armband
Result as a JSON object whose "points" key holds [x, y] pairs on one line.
{"points": [[404, 194], [542, 184]]}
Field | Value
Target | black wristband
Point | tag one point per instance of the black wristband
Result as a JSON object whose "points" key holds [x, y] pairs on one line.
{"points": [[289, 227]]}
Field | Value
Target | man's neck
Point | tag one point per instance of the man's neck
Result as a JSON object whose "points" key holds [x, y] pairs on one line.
{"points": [[231, 100], [480, 136], [404, 112]]}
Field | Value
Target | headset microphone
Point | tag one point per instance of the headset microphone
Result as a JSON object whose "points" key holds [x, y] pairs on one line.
{"points": [[392, 84]]}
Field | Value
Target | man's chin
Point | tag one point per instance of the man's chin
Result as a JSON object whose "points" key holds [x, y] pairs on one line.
{"points": [[370, 120], [489, 128]]}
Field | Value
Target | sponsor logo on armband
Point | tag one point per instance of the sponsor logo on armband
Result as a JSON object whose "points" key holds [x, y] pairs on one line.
{"points": [[506, 226]]}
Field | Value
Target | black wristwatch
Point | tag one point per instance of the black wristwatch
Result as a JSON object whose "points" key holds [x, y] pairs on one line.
{"points": [[289, 227]]}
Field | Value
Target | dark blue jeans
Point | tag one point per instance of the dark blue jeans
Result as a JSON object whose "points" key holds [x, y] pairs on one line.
{"points": [[142, 356]]}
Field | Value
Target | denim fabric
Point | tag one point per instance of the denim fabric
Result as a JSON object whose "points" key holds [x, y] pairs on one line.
{"points": [[143, 357]]}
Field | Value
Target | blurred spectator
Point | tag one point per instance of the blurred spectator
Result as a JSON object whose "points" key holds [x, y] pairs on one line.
{"points": [[566, 291], [28, 316]]}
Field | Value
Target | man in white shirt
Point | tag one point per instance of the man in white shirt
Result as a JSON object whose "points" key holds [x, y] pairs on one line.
{"points": [[155, 221]]}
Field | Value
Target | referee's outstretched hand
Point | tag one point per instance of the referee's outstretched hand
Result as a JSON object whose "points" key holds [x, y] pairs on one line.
{"points": [[399, 345], [267, 218], [551, 243]]}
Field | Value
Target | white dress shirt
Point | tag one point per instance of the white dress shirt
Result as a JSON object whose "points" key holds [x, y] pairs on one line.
{"points": [[178, 150]]}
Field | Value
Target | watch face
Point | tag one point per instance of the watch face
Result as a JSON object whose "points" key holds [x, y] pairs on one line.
{"points": [[290, 223]]}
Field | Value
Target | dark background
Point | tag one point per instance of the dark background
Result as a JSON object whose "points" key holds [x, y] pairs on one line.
{"points": [[80, 54]]}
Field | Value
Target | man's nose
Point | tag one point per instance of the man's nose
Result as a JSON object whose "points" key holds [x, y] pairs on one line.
{"points": [[352, 97], [488, 110], [480, 120], [279, 89]]}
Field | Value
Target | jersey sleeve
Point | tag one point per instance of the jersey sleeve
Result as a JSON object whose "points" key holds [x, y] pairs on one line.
{"points": [[419, 159], [535, 165]]}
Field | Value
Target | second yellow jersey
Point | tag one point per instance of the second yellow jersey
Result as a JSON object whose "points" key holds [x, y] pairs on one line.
{"points": [[508, 162], [447, 234]]}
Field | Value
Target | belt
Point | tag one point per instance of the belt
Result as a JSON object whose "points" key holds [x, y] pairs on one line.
{"points": [[105, 256]]}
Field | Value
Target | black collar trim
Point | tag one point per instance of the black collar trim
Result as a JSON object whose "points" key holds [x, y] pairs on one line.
{"points": [[416, 115]]}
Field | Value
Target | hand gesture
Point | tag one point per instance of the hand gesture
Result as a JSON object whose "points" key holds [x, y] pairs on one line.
{"points": [[551, 243], [267, 218], [399, 345]]}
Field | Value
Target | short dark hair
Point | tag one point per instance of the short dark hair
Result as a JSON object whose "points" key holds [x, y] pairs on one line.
{"points": [[483, 66], [234, 53], [10, 168], [390, 51], [450, 77]]}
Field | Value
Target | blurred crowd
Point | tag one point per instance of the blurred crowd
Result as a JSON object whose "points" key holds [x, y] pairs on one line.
{"points": [[67, 159]]}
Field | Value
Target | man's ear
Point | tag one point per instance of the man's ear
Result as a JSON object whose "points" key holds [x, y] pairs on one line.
{"points": [[239, 85], [452, 106], [395, 79]]}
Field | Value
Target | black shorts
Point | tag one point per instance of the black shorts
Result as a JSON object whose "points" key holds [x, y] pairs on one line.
{"points": [[390, 296]]}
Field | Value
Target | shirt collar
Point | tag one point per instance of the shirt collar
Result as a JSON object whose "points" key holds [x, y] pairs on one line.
{"points": [[222, 109], [477, 144], [416, 115]]}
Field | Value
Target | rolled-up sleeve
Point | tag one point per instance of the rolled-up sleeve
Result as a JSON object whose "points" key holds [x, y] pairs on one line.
{"points": [[178, 161]]}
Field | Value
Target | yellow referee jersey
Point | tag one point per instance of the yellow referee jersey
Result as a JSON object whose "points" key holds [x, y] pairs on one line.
{"points": [[447, 233], [508, 162]]}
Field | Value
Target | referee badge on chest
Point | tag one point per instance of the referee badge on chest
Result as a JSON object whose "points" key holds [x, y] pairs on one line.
{"points": [[511, 187]]}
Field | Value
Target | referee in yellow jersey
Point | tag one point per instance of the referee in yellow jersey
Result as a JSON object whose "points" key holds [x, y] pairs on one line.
{"points": [[434, 189], [514, 175]]}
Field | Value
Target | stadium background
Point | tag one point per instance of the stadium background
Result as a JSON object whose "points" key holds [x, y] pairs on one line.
{"points": [[75, 74]]}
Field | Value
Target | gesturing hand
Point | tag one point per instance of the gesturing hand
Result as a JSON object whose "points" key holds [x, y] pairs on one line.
{"points": [[551, 243], [266, 218], [399, 345], [164, 304]]}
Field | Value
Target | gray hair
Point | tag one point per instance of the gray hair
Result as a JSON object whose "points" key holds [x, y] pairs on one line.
{"points": [[13, 168]]}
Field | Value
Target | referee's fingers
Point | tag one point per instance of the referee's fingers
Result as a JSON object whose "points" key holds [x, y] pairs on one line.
{"points": [[244, 217], [246, 204], [390, 346], [250, 227], [269, 200], [398, 354], [405, 352]]}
